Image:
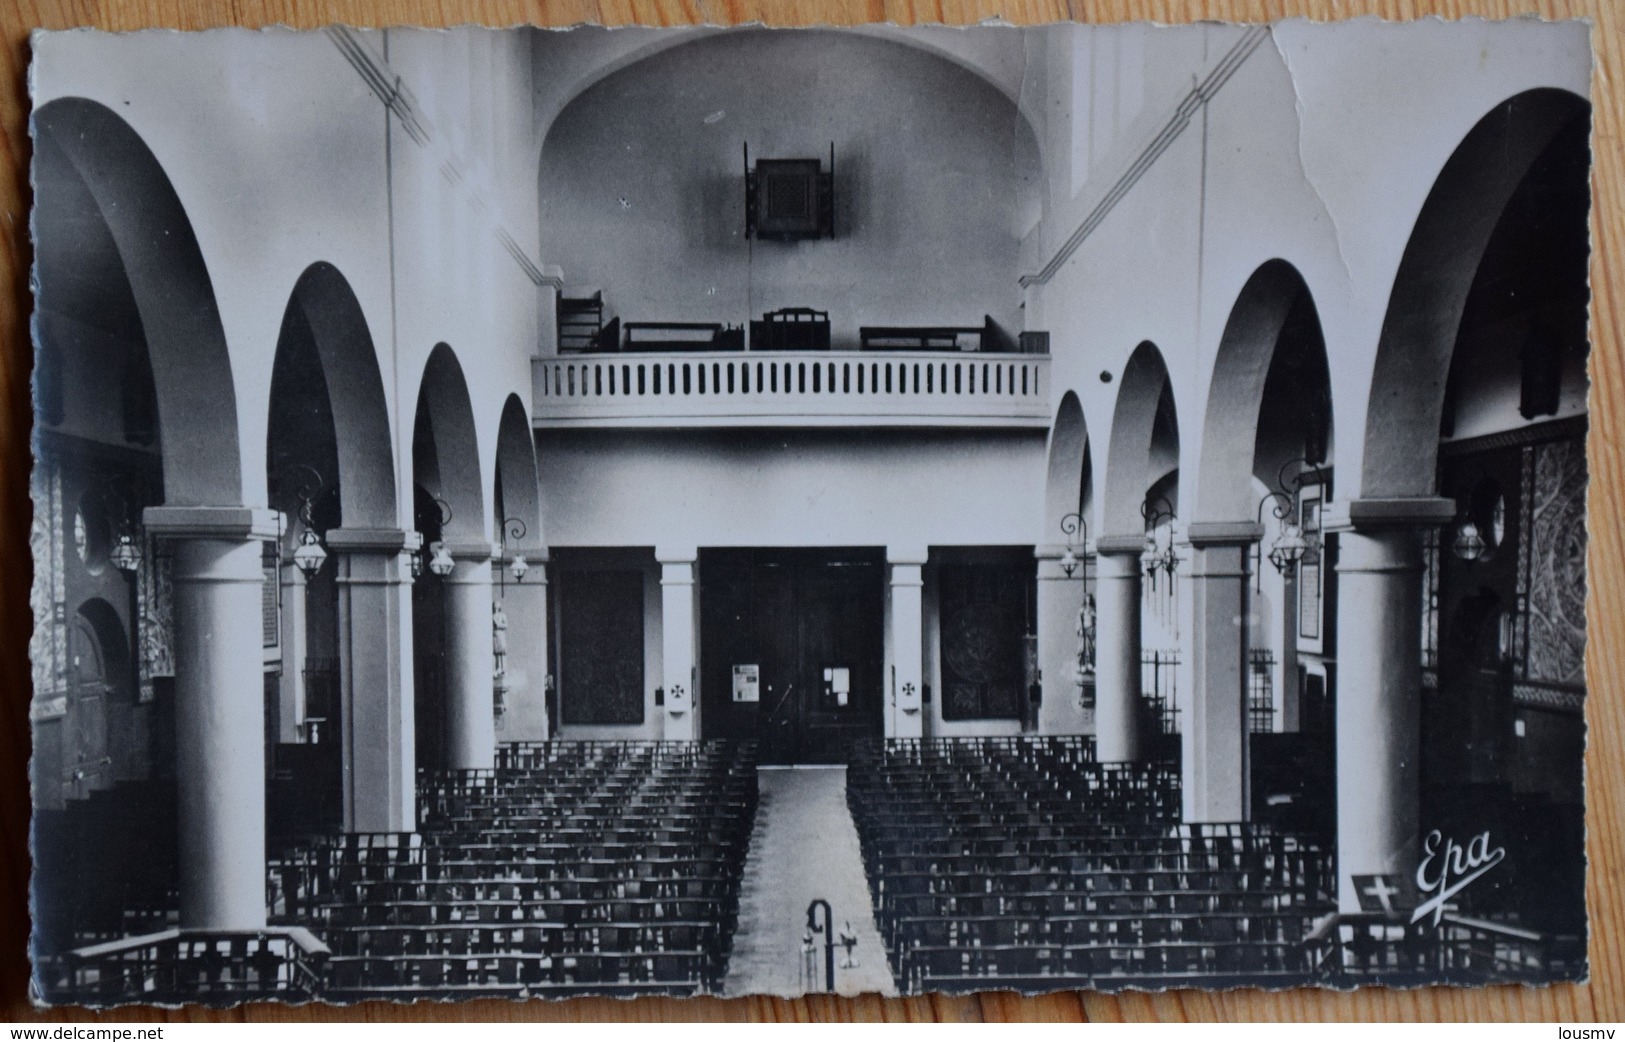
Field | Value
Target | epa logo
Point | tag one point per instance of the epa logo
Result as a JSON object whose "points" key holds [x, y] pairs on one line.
{"points": [[1446, 869]]}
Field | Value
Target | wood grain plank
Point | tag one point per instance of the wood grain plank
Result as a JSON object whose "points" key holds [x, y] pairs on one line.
{"points": [[1602, 998]]}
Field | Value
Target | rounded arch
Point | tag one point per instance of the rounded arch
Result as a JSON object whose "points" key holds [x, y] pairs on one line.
{"points": [[325, 345], [1144, 445], [104, 652], [1270, 354], [1435, 276], [610, 129], [517, 494], [635, 48], [105, 207], [349, 361], [1068, 486], [445, 449]]}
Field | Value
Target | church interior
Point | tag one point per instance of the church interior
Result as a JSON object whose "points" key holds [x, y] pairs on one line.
{"points": [[693, 511]]}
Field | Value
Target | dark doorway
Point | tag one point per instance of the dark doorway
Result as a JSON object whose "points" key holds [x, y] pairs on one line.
{"points": [[791, 649], [97, 661]]}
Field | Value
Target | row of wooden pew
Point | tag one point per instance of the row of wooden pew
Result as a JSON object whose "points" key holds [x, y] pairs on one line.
{"points": [[571, 868], [1022, 863]]}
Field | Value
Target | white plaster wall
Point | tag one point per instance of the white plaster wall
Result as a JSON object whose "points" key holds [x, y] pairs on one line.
{"points": [[935, 174], [791, 487]]}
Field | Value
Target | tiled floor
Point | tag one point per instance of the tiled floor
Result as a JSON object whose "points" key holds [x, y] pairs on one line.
{"points": [[804, 847]]}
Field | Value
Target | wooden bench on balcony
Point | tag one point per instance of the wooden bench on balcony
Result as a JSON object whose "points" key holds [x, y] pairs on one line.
{"points": [[682, 336], [790, 329]]}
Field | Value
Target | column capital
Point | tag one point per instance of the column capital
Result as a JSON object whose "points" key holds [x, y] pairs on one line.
{"points": [[905, 573], [1223, 533], [1120, 545], [372, 540], [468, 549], [677, 554], [224, 523], [1376, 513], [907, 555]]}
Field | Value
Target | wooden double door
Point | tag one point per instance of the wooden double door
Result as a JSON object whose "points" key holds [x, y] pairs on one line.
{"points": [[792, 649]]}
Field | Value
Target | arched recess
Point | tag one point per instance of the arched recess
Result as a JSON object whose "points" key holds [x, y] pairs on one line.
{"points": [[1269, 402], [449, 507], [521, 597], [445, 454], [516, 494], [1144, 447], [1068, 485], [112, 236], [325, 345], [1268, 421], [882, 260], [638, 48], [1436, 275], [327, 441]]}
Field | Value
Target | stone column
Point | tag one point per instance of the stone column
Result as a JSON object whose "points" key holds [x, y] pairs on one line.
{"points": [[906, 684], [677, 635], [1379, 686], [1117, 647], [219, 580], [291, 690], [1060, 598], [471, 741], [377, 710], [1214, 778], [525, 604]]}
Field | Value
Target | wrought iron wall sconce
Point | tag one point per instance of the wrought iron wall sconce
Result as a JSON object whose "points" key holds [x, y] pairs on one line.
{"points": [[1285, 501], [1074, 525], [440, 561], [1159, 556], [309, 555], [514, 530]]}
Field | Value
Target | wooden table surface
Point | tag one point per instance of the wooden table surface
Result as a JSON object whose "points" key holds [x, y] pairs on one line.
{"points": [[1602, 999]]}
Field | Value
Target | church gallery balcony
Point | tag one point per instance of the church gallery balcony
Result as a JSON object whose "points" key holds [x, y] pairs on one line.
{"points": [[792, 389]]}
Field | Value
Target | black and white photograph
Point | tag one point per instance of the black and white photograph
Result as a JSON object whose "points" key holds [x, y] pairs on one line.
{"points": [[532, 513]]}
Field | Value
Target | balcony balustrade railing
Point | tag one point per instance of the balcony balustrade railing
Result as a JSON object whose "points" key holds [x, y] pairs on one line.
{"points": [[730, 389], [214, 968]]}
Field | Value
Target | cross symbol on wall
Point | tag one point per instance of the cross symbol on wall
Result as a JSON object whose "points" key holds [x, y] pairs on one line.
{"points": [[1383, 892]]}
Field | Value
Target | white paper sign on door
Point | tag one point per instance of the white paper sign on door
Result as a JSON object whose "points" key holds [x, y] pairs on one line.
{"points": [[747, 683], [840, 683]]}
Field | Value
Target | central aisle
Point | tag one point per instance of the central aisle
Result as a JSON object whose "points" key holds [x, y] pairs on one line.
{"points": [[804, 847]]}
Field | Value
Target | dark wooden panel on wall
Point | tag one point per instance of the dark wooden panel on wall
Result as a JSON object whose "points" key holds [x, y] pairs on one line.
{"points": [[986, 611], [601, 646]]}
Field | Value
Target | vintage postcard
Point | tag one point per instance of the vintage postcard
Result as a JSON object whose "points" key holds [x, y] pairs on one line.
{"points": [[737, 511]]}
